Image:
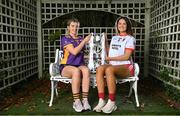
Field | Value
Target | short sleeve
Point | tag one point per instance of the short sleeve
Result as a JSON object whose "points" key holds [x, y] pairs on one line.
{"points": [[130, 43], [65, 41]]}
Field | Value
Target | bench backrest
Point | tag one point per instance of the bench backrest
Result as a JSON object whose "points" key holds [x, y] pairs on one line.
{"points": [[136, 69]]}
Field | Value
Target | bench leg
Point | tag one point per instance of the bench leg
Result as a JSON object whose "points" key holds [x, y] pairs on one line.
{"points": [[56, 84], [94, 83], [130, 90], [52, 93], [135, 92]]}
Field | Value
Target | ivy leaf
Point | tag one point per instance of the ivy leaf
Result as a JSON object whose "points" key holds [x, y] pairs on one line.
{"points": [[54, 36]]}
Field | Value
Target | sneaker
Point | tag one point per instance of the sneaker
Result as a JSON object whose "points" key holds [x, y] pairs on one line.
{"points": [[109, 107], [77, 105], [86, 105], [100, 105]]}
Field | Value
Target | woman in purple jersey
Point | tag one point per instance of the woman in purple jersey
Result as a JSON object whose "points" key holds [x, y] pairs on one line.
{"points": [[120, 65], [72, 64]]}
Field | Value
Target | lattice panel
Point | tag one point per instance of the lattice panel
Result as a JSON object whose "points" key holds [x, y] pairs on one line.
{"points": [[134, 9], [18, 41], [165, 40]]}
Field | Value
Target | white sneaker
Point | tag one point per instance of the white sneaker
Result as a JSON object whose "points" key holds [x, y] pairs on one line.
{"points": [[100, 105], [86, 104], [77, 105], [109, 107]]}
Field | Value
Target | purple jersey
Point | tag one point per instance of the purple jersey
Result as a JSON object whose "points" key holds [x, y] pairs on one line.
{"points": [[69, 58]]}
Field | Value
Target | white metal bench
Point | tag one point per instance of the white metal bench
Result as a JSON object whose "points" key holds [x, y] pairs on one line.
{"points": [[56, 77]]}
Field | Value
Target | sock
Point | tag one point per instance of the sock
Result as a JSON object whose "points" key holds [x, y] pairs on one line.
{"points": [[76, 96], [112, 96], [84, 95], [101, 95]]}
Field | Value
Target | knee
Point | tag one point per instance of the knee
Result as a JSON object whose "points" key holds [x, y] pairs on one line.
{"points": [[109, 70], [77, 72], [86, 70], [100, 69]]}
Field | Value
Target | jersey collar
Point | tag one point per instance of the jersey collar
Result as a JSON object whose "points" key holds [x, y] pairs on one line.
{"points": [[123, 34]]}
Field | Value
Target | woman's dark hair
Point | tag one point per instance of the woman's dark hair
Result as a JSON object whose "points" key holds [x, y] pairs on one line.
{"points": [[129, 25]]}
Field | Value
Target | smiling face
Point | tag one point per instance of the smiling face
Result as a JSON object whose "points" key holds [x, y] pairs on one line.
{"points": [[122, 26], [73, 28]]}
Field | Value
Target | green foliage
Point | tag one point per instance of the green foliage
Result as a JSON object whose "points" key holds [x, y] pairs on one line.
{"points": [[173, 92], [164, 74], [45, 75], [54, 36], [3, 73]]}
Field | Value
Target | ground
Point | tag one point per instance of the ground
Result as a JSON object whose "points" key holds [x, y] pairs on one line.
{"points": [[32, 97]]}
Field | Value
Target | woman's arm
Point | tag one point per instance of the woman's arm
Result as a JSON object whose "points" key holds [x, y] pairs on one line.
{"points": [[126, 56], [77, 49]]}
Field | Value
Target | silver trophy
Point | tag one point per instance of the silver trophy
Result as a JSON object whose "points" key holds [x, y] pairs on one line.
{"points": [[97, 52]]}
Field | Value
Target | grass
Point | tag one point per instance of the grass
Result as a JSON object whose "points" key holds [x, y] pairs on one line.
{"points": [[32, 97]]}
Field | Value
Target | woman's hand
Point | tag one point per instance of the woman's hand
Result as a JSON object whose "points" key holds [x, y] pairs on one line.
{"points": [[87, 38], [107, 59], [75, 50]]}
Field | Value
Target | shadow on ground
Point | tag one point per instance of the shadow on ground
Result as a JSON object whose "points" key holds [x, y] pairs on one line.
{"points": [[32, 97]]}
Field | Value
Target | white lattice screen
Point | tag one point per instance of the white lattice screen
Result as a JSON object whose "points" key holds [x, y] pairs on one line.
{"points": [[18, 41], [19, 30], [165, 40], [134, 9]]}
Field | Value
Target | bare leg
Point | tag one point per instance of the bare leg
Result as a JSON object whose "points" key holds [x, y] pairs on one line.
{"points": [[85, 79], [112, 72], [75, 74], [85, 86], [110, 78], [100, 73]]}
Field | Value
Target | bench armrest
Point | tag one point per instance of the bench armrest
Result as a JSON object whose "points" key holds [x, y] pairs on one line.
{"points": [[54, 69], [57, 58], [136, 67]]}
